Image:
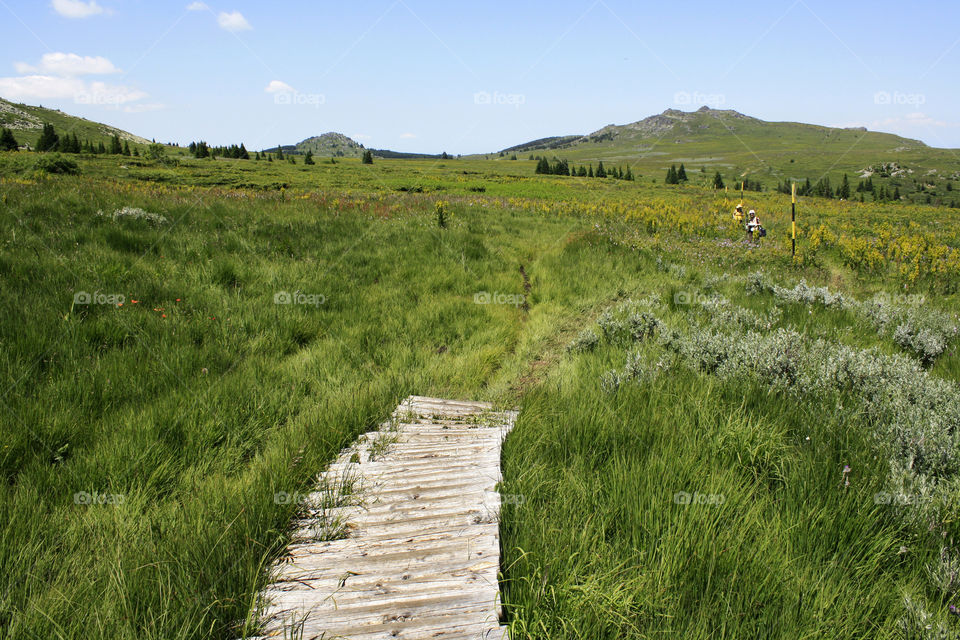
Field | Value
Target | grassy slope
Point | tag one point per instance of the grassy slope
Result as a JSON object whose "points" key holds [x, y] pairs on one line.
{"points": [[63, 124]]}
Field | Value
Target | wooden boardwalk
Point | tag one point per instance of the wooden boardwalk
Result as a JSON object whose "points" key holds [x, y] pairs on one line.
{"points": [[401, 537]]}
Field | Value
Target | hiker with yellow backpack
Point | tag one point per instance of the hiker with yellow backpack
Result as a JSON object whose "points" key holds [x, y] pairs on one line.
{"points": [[738, 218]]}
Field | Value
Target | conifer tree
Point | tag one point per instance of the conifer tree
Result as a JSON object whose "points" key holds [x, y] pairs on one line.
{"points": [[601, 172], [367, 157], [718, 181], [7, 141], [48, 139], [843, 191], [671, 175], [308, 159], [681, 174]]}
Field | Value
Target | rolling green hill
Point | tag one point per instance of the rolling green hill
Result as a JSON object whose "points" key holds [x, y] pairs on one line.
{"points": [[333, 144], [26, 121], [736, 145], [330, 144]]}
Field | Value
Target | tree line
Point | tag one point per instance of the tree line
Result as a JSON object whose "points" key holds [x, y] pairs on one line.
{"points": [[202, 150], [564, 168], [679, 176], [50, 140]]}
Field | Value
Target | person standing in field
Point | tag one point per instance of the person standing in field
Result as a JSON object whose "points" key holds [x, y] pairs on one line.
{"points": [[752, 225], [738, 214]]}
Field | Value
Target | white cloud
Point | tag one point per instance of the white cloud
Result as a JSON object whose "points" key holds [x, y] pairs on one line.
{"points": [[277, 86], [361, 136], [233, 21], [197, 6], [39, 87], [407, 136], [44, 87], [76, 8], [68, 64]]}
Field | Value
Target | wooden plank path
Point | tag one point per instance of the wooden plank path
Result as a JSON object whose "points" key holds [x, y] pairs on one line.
{"points": [[401, 537]]}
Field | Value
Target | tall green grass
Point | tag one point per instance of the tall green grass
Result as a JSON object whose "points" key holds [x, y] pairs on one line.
{"points": [[143, 444], [688, 505]]}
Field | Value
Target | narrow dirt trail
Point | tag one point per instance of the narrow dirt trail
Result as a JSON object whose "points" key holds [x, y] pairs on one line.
{"points": [[401, 537]]}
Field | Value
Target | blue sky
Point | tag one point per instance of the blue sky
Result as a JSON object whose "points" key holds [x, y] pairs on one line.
{"points": [[460, 77]]}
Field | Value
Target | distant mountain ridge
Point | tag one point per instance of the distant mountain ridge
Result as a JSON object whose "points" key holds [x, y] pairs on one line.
{"points": [[679, 127]]}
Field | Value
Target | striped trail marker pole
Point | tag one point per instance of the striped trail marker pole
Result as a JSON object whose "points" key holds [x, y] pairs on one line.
{"points": [[793, 219]]}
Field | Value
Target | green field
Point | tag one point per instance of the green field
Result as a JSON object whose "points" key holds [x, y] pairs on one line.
{"points": [[716, 439]]}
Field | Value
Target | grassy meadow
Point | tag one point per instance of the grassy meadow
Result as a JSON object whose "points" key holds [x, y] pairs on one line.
{"points": [[716, 439]]}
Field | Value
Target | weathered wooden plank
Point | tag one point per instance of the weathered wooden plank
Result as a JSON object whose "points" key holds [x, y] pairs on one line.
{"points": [[420, 556]]}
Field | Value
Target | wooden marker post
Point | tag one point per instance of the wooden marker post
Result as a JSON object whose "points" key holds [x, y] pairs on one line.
{"points": [[793, 219]]}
